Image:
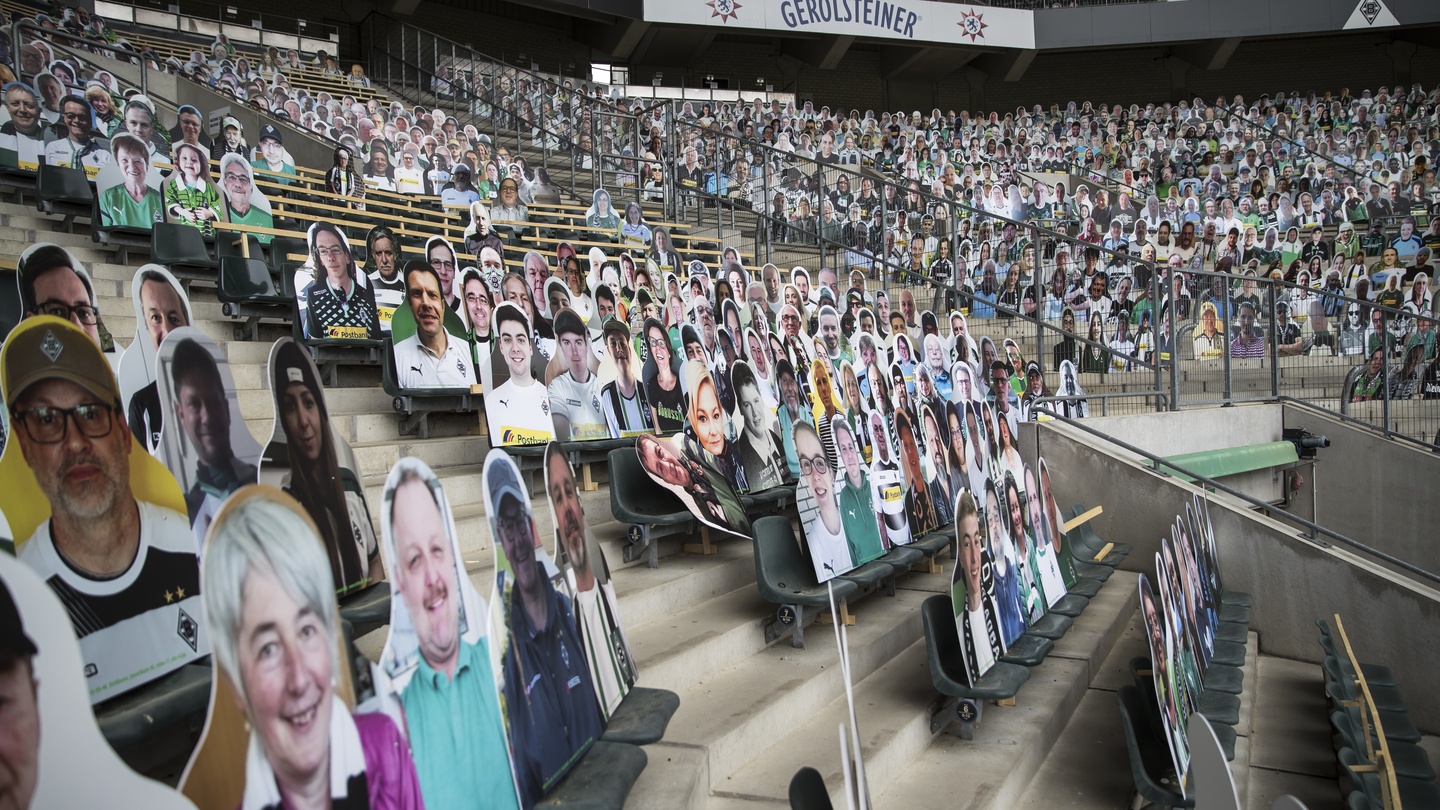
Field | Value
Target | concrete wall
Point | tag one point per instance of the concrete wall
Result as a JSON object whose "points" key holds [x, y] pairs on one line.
{"points": [[1197, 429], [1293, 580], [1374, 490]]}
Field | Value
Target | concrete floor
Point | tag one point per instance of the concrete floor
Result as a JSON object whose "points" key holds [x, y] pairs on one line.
{"points": [[1284, 736]]}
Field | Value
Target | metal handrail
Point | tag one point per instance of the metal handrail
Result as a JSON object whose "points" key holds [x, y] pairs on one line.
{"points": [[1157, 462], [1383, 430]]}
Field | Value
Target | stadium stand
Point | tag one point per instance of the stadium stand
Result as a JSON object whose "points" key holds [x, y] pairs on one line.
{"points": [[1091, 259]]}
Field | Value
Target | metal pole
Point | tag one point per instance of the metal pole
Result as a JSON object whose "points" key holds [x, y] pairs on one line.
{"points": [[884, 254], [1274, 346], [1385, 368], [1225, 345], [760, 220], [1174, 347], [1155, 331]]}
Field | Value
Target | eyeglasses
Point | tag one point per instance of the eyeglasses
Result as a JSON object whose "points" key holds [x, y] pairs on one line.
{"points": [[84, 313], [331, 252], [238, 178], [441, 264], [817, 464], [518, 522], [46, 425]]}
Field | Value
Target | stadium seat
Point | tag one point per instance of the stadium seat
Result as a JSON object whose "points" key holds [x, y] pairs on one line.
{"points": [[1415, 794], [1150, 764], [600, 780], [1410, 760], [65, 191], [642, 716], [182, 249], [1375, 674], [942, 648], [11, 309], [1028, 651], [807, 791], [785, 578], [1071, 604], [416, 404], [173, 701], [652, 511], [246, 290]]}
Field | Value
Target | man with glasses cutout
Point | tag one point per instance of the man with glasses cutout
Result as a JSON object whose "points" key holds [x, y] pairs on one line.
{"points": [[126, 569], [80, 148], [52, 282]]}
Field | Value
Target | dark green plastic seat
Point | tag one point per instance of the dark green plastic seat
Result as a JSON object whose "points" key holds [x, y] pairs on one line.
{"points": [[947, 668], [635, 498], [248, 281], [1087, 588], [934, 542], [1052, 626], [1231, 632], [1410, 760], [1375, 674], [1387, 698], [1398, 725], [1150, 764], [181, 248], [782, 573], [1220, 678], [768, 497], [1071, 604], [1028, 651], [367, 609], [807, 791], [1415, 794], [134, 718], [871, 576], [1238, 598], [901, 558], [601, 780], [1235, 614], [1228, 653], [642, 716], [65, 191], [1220, 708], [1100, 573]]}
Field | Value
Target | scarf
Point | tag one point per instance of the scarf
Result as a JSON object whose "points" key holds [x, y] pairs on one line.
{"points": [[348, 787]]}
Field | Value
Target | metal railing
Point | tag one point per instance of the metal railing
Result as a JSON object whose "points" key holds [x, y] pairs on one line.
{"points": [[238, 23]]}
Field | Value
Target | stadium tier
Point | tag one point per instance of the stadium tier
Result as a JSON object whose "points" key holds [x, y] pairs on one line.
{"points": [[296, 351]]}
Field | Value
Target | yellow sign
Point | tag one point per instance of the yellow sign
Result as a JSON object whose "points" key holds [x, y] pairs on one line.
{"points": [[347, 332]]}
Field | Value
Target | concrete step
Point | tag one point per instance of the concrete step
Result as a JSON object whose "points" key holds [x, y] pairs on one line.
{"points": [[740, 712]]}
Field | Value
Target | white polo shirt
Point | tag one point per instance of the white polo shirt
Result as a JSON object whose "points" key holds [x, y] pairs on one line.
{"points": [[416, 366]]}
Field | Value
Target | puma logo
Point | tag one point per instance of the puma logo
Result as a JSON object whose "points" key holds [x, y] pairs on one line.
{"points": [[504, 403]]}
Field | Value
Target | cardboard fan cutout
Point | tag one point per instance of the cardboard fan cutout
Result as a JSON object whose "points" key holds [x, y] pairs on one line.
{"points": [[517, 403], [308, 461], [129, 187], [205, 442], [551, 710], [245, 204], [586, 578], [49, 724], [22, 130], [189, 196], [1060, 543], [1171, 704], [573, 385], [283, 721], [972, 593], [334, 297], [429, 339], [161, 306], [622, 392], [660, 376], [127, 497], [438, 659], [819, 507], [1044, 561], [755, 429]]}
